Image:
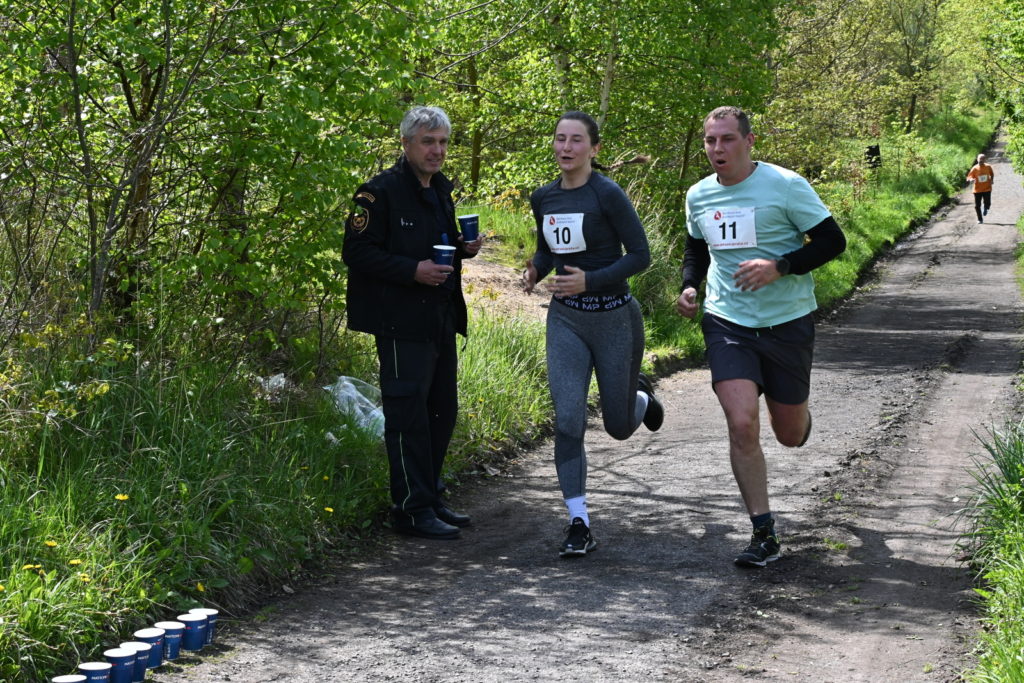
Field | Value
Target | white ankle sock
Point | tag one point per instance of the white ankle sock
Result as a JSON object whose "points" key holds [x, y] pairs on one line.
{"points": [[578, 508]]}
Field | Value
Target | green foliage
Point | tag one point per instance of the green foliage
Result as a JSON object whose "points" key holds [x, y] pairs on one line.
{"points": [[996, 546]]}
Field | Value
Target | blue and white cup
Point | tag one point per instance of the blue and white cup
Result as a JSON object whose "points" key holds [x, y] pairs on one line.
{"points": [[173, 631], [95, 672], [141, 651], [470, 226], [155, 637], [211, 620], [444, 255], [69, 678], [195, 631], [122, 664]]}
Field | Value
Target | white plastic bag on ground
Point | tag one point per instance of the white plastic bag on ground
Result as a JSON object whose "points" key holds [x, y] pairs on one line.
{"points": [[360, 401]]}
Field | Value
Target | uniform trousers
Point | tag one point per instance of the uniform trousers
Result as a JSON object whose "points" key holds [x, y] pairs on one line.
{"points": [[419, 393]]}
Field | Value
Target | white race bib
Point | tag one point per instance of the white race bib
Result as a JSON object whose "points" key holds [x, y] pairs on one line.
{"points": [[983, 178], [564, 232], [730, 228]]}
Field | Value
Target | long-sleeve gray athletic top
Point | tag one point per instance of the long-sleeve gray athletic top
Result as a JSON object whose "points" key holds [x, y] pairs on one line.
{"points": [[609, 223]]}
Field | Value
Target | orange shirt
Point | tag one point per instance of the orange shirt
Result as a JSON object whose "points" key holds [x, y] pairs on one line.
{"points": [[982, 175]]}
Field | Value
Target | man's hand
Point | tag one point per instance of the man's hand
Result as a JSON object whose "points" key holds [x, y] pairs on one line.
{"points": [[754, 274], [471, 248], [686, 304], [430, 273]]}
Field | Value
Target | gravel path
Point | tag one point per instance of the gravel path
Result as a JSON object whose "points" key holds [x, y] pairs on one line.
{"points": [[867, 590]]}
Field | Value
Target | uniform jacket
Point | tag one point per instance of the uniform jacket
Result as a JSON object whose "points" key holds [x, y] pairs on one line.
{"points": [[391, 230]]}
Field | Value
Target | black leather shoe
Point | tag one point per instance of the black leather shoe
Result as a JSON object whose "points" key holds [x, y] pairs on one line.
{"points": [[655, 414], [430, 527], [449, 516]]}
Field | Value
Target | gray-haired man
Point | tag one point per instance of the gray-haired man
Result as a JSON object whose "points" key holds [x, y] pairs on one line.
{"points": [[414, 308]]}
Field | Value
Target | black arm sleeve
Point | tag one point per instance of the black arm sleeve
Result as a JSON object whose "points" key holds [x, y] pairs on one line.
{"points": [[825, 241], [696, 261]]}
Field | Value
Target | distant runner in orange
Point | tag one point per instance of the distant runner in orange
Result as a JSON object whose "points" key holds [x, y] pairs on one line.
{"points": [[982, 175]]}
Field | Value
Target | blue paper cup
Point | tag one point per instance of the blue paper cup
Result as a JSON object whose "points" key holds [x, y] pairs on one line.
{"points": [[195, 631], [470, 226], [95, 672], [211, 620], [444, 255], [141, 651], [123, 664], [69, 678], [155, 637], [172, 637]]}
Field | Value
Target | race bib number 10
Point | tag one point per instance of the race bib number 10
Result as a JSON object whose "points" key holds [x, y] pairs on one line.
{"points": [[730, 228], [564, 232]]}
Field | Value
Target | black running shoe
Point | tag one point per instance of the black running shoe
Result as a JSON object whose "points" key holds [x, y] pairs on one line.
{"points": [[764, 547], [655, 414], [578, 540]]}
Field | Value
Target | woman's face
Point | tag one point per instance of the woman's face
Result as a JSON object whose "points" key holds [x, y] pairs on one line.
{"points": [[573, 150]]}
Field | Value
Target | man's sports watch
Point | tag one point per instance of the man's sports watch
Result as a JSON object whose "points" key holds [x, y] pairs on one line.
{"points": [[782, 265]]}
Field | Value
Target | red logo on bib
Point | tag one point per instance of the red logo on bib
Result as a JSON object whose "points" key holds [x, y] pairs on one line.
{"points": [[718, 215], [551, 221]]}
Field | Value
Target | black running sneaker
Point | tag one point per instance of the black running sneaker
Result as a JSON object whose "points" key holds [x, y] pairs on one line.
{"points": [[578, 540], [764, 547], [655, 414]]}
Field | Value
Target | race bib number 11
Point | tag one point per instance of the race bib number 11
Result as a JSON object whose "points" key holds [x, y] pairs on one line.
{"points": [[564, 232], [730, 228]]}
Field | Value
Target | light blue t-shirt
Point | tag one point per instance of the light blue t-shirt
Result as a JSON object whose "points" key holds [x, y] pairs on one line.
{"points": [[764, 216]]}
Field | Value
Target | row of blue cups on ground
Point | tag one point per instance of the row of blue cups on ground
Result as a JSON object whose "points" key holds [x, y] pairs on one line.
{"points": [[128, 662]]}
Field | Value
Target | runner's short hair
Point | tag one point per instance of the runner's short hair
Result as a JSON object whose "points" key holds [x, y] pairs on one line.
{"points": [[727, 111]]}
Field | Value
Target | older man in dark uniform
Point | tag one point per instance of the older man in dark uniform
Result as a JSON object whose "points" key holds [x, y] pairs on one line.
{"points": [[413, 307]]}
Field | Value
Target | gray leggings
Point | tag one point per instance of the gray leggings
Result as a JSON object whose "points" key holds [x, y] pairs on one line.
{"points": [[579, 342]]}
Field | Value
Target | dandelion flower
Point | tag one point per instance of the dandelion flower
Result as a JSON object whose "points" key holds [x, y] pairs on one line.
{"points": [[200, 587], [2, 589], [121, 496], [326, 478], [74, 562], [329, 509], [32, 566], [50, 544], [84, 578]]}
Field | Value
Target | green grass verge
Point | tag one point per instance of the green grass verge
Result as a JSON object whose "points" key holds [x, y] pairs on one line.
{"points": [[166, 490], [996, 541]]}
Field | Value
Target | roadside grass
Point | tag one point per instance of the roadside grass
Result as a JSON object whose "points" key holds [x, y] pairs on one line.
{"points": [[183, 484], [995, 542], [136, 483]]}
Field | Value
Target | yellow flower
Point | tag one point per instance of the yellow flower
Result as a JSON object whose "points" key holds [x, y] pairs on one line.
{"points": [[329, 509], [32, 566], [121, 496], [200, 587], [2, 589], [326, 478], [84, 577], [50, 544], [74, 562]]}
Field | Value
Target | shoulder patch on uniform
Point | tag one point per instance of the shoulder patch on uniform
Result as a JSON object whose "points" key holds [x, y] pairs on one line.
{"points": [[367, 196], [359, 219]]}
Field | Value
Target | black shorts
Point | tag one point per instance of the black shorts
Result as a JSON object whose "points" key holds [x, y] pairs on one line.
{"points": [[777, 359]]}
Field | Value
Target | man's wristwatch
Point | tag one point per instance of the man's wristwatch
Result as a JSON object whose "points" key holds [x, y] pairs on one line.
{"points": [[782, 265]]}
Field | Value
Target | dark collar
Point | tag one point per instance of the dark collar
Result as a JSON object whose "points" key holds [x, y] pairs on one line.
{"points": [[439, 181]]}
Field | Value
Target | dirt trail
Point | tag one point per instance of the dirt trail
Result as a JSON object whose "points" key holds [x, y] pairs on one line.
{"points": [[866, 590]]}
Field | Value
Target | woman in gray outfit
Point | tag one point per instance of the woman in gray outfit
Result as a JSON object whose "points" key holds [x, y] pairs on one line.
{"points": [[584, 223]]}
